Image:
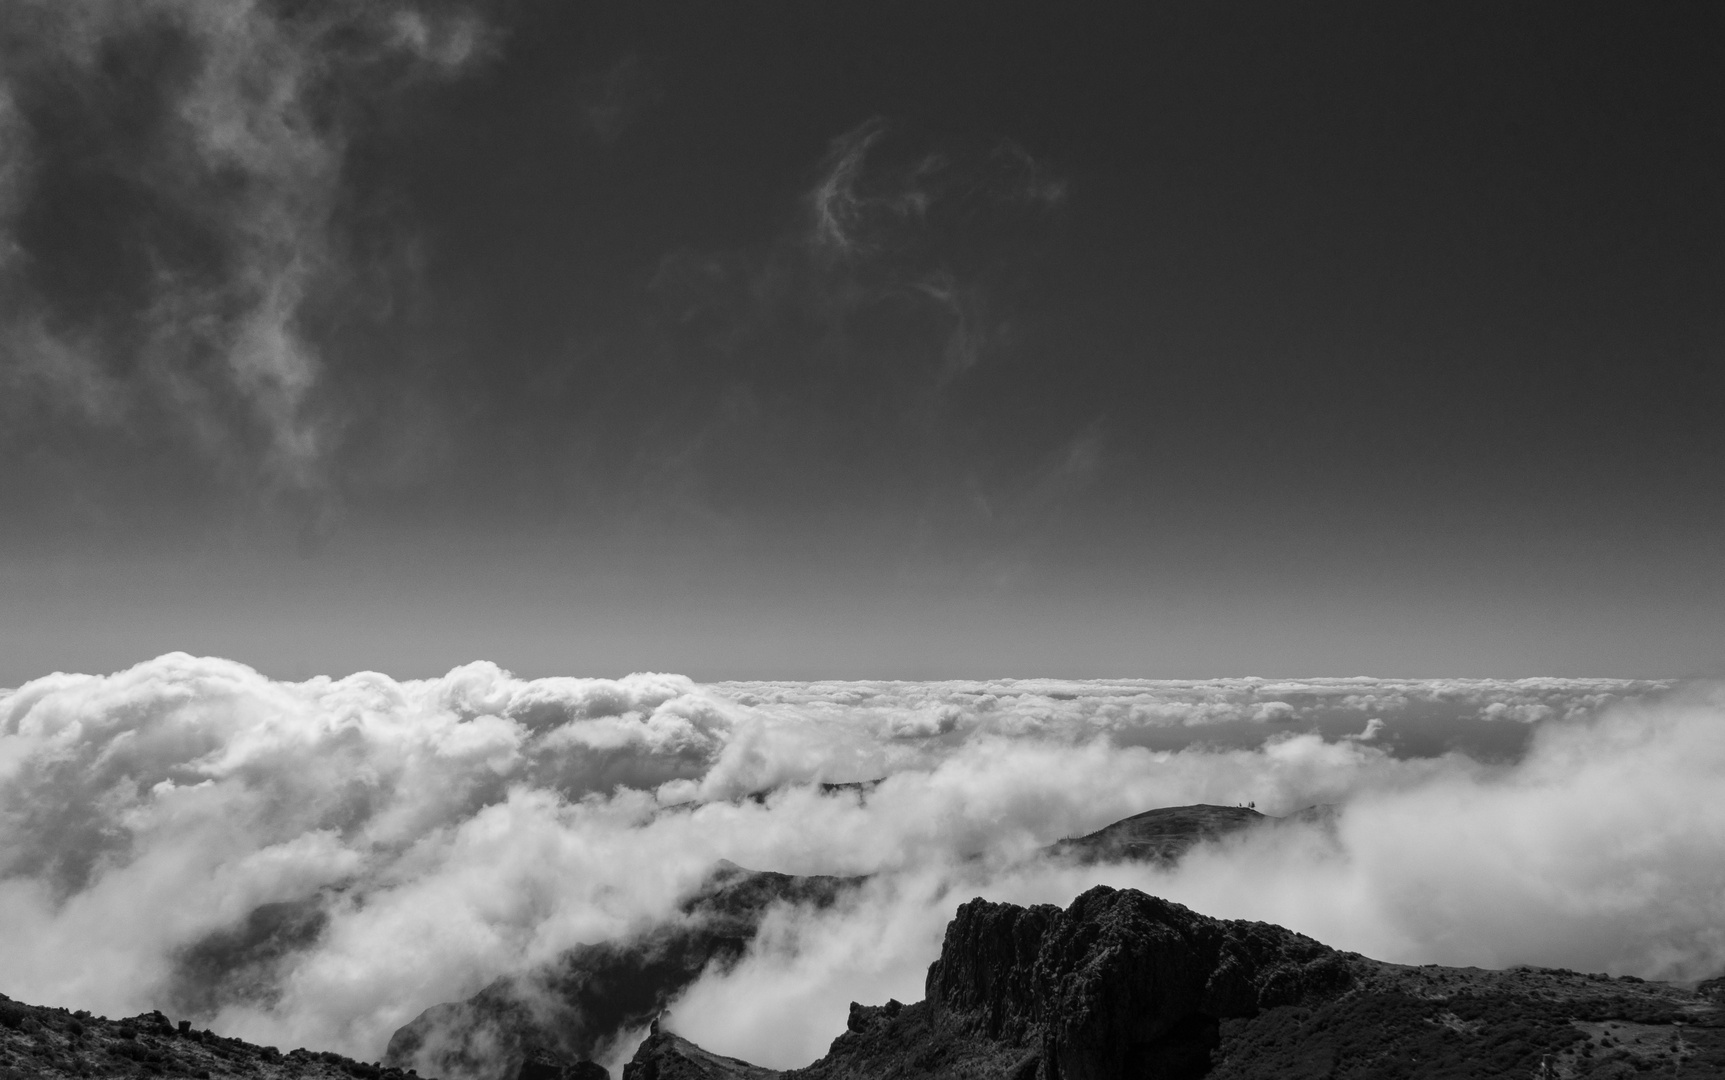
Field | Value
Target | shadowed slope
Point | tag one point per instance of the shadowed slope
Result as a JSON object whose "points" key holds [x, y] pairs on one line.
{"points": [[575, 1007]]}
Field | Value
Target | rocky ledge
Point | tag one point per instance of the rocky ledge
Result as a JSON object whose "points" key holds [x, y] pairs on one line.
{"points": [[1124, 985]]}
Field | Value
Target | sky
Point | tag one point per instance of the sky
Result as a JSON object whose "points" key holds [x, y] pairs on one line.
{"points": [[792, 340]]}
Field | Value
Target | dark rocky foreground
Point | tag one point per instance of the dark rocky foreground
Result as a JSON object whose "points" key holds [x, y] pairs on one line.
{"points": [[1123, 985], [38, 1042]]}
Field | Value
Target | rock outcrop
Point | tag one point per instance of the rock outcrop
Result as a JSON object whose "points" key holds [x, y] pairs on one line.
{"points": [[1121, 985]]}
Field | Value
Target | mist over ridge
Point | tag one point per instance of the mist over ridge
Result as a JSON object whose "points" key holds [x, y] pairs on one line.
{"points": [[335, 855]]}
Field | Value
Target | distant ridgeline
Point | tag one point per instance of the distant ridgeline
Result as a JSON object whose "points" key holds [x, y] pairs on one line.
{"points": [[1118, 986]]}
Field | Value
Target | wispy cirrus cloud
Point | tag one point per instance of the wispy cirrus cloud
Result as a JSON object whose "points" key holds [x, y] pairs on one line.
{"points": [[846, 340], [171, 196]]}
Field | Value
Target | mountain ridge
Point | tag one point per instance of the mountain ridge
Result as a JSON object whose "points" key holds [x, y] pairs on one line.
{"points": [[1121, 985], [592, 994], [1118, 985], [1037, 993]]}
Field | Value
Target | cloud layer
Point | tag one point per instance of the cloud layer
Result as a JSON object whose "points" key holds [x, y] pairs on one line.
{"points": [[314, 863]]}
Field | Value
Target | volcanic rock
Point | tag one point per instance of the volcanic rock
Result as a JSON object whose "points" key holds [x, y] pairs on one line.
{"points": [[1121, 985]]}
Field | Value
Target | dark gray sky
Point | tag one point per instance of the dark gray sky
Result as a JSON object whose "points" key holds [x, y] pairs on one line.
{"points": [[803, 339]]}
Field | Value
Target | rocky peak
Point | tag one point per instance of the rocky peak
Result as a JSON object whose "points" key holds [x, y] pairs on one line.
{"points": [[1120, 979], [1121, 985]]}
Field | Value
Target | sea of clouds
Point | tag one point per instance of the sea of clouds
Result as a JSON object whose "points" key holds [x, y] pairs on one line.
{"points": [[335, 855]]}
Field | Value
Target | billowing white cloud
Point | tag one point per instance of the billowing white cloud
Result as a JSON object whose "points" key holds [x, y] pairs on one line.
{"points": [[358, 849], [1598, 851]]}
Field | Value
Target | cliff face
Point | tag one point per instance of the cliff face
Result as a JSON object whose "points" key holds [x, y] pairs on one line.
{"points": [[1120, 986], [1121, 983]]}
